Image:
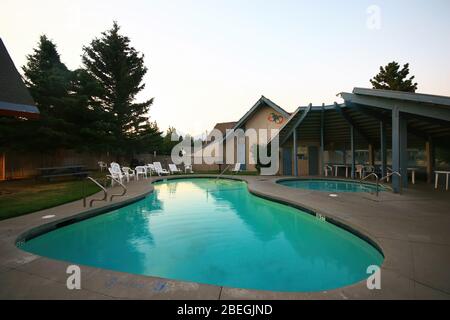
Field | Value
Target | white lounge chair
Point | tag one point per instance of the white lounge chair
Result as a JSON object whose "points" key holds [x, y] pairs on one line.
{"points": [[159, 169], [173, 169], [141, 171], [237, 168], [129, 173]]}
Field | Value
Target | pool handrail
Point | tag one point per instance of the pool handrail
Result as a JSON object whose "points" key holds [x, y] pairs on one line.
{"points": [[376, 177], [223, 171], [121, 184], [105, 193], [391, 174]]}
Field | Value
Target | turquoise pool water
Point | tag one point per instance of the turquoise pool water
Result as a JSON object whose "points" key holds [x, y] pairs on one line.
{"points": [[214, 232], [330, 185]]}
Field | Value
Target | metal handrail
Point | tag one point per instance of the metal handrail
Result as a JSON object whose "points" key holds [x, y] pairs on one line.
{"points": [[390, 175], [121, 184], [105, 193], [223, 171], [377, 182]]}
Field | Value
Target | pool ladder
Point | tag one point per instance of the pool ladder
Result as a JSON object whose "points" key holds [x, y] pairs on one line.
{"points": [[376, 179], [223, 171], [105, 193], [392, 174], [124, 189]]}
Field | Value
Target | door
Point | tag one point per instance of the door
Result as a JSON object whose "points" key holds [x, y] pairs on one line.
{"points": [[313, 160], [2, 167], [241, 154], [287, 161]]}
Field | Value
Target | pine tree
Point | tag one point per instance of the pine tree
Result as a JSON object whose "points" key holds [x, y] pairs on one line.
{"points": [[48, 81], [120, 70], [391, 77]]}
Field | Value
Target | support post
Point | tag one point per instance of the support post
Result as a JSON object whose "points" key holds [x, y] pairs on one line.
{"points": [[371, 155], [294, 152], [383, 149], [322, 140], [429, 153], [404, 151], [399, 151], [352, 146]]}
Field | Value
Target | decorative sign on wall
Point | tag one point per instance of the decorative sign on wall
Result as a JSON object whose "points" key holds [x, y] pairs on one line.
{"points": [[278, 119]]}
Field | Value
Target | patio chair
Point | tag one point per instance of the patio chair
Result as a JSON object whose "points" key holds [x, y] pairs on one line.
{"points": [[129, 173], [159, 169], [150, 169], [187, 168], [115, 166], [102, 165], [173, 169], [326, 169], [359, 170], [141, 171], [237, 168], [116, 175]]}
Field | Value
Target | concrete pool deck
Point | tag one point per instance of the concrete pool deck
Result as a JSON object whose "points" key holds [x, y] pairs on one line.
{"points": [[412, 230]]}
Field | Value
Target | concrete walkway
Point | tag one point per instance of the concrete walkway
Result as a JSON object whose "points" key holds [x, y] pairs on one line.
{"points": [[412, 230]]}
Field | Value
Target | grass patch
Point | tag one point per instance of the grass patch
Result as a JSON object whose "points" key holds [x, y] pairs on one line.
{"points": [[21, 197]]}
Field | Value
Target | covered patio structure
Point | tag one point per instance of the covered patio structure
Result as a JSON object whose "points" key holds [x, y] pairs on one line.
{"points": [[378, 128]]}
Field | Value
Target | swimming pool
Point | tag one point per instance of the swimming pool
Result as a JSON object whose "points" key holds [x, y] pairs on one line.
{"points": [[330, 185], [214, 232]]}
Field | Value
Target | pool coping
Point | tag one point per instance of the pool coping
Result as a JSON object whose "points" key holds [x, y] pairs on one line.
{"points": [[195, 290], [384, 185]]}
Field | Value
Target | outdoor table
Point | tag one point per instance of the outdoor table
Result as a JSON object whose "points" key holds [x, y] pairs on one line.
{"points": [[337, 166], [413, 174], [53, 172], [447, 173]]}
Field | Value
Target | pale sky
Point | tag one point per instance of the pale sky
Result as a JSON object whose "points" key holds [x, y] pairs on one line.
{"points": [[209, 61]]}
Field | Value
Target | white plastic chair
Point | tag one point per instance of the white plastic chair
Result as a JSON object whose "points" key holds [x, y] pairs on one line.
{"points": [[116, 175], [359, 169], [159, 169], [173, 169], [187, 168], [150, 168], [141, 171], [115, 166], [237, 168], [327, 168], [129, 173]]}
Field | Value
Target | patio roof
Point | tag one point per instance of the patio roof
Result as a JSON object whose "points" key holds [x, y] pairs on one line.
{"points": [[15, 100], [428, 116]]}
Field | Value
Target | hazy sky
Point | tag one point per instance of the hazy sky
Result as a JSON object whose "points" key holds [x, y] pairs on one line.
{"points": [[210, 61]]}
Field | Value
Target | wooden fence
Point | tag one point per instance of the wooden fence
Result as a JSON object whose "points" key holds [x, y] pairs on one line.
{"points": [[15, 165]]}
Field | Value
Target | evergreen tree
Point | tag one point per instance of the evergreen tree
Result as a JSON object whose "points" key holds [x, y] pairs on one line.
{"points": [[391, 77], [48, 81], [120, 69], [70, 117], [168, 143]]}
